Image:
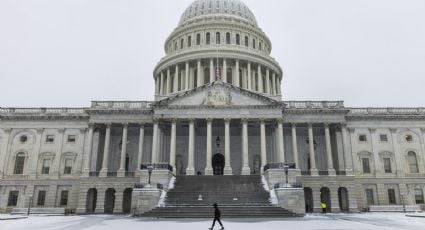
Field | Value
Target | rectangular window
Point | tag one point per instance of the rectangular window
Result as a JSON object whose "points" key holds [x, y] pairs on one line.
{"points": [[64, 198], [50, 139], [391, 196], [387, 165], [362, 138], [68, 167], [419, 196], [46, 167], [369, 196], [72, 138], [19, 164], [189, 41], [13, 198], [366, 165], [41, 198], [383, 137]]}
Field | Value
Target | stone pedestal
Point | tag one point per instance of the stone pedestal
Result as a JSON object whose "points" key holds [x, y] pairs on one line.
{"points": [[291, 199], [144, 200], [277, 176], [162, 177]]}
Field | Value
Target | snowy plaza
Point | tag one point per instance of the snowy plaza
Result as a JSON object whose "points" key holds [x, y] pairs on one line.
{"points": [[375, 221]]}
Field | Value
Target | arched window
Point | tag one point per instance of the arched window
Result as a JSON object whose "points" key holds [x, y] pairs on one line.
{"points": [[228, 38], [413, 162], [246, 41], [238, 39], [19, 163], [189, 41], [198, 39], [181, 43], [253, 43], [217, 37], [208, 38]]}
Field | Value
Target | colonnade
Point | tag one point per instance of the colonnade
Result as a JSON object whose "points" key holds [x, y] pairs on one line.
{"points": [[192, 74]]}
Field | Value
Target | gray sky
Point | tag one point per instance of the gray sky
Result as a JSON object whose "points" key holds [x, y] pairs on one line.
{"points": [[58, 53]]}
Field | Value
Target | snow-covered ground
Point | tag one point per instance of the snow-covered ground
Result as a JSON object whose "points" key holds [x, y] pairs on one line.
{"points": [[376, 221]]}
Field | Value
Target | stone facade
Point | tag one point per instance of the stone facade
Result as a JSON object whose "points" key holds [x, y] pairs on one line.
{"points": [[88, 160]]}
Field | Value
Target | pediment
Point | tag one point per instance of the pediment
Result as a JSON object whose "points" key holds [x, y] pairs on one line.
{"points": [[218, 94]]}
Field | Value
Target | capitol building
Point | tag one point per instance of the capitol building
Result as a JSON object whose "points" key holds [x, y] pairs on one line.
{"points": [[218, 115]]}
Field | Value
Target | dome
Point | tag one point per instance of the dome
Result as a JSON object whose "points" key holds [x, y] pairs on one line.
{"points": [[231, 8]]}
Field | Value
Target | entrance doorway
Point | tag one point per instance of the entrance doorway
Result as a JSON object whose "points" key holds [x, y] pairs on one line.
{"points": [[126, 202], [91, 200], [218, 164], [343, 199], [109, 201], [308, 198], [325, 196]]}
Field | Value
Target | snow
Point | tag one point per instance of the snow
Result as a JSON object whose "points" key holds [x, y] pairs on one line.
{"points": [[273, 198], [372, 221], [161, 202]]}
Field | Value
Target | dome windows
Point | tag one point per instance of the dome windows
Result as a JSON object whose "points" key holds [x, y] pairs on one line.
{"points": [[217, 38], [181, 43], [198, 39], [228, 40], [189, 41], [253, 43], [246, 41], [238, 39], [208, 38]]}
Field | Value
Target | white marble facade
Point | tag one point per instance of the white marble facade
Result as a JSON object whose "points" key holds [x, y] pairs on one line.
{"points": [[68, 157]]}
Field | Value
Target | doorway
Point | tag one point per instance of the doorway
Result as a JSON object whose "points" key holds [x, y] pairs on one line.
{"points": [[218, 164]]}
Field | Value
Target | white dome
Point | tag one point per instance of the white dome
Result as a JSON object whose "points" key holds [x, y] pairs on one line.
{"points": [[205, 8]]}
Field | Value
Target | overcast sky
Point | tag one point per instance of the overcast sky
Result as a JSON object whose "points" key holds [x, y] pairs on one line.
{"points": [[65, 53]]}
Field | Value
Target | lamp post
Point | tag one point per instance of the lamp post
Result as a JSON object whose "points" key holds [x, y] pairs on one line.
{"points": [[29, 206], [150, 169], [286, 168], [402, 202]]}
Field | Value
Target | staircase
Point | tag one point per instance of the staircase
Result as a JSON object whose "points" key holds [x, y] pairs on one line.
{"points": [[236, 196]]}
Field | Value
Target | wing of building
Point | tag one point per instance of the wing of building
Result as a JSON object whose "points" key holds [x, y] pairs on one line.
{"points": [[218, 114]]}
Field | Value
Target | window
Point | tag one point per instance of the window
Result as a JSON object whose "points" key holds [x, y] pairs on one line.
{"points": [[181, 43], [238, 39], [260, 46], [50, 138], [19, 164], [41, 198], [13, 198], [387, 165], [208, 39], [253, 43], [189, 41], [419, 196], [227, 38], [198, 39], [45, 167], [72, 138], [366, 165], [409, 138], [217, 38], [383, 137], [391, 196], [175, 46], [64, 198], [23, 138], [369, 197], [362, 138], [246, 41], [413, 162], [68, 166]]}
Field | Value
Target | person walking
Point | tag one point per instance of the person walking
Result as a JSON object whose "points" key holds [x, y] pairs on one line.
{"points": [[323, 207], [217, 216]]}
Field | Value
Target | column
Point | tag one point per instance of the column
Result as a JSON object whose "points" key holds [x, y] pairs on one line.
{"points": [[157, 80], [154, 155], [281, 147], [273, 90], [104, 170], [237, 74], [141, 145], [245, 161], [191, 158], [121, 170], [33, 159], [398, 158], [199, 80], [173, 145], [260, 79], [267, 90], [89, 150], [295, 145], [212, 75], [227, 167], [161, 87], [279, 90], [208, 169], [331, 168], [168, 81], [224, 71], [186, 85], [347, 152], [3, 151], [263, 144], [176, 80], [313, 169], [249, 76]]}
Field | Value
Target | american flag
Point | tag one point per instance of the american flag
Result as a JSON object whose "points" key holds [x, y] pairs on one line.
{"points": [[218, 74]]}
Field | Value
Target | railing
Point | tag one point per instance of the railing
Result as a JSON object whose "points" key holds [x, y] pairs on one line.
{"points": [[292, 185], [52, 111], [139, 186], [93, 174], [387, 111], [157, 166], [111, 174], [279, 165], [341, 173], [323, 173], [121, 104], [130, 174], [314, 104], [143, 185]]}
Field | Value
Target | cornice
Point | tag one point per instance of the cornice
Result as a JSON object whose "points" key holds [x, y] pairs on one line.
{"points": [[119, 111]]}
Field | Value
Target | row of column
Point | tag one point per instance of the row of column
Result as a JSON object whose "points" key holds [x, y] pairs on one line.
{"points": [[255, 79]]}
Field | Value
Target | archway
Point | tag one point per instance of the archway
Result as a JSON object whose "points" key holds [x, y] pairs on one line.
{"points": [[91, 200], [308, 198], [218, 164], [109, 201], [126, 200], [325, 196], [343, 199]]}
